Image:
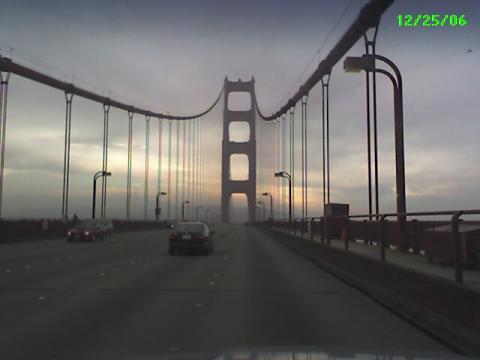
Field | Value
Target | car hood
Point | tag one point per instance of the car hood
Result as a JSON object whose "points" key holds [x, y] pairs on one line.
{"points": [[302, 353]]}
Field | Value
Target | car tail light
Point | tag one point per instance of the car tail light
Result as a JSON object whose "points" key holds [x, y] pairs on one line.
{"points": [[173, 236], [201, 237]]}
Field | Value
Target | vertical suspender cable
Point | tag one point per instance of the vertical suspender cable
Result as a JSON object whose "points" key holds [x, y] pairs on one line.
{"points": [[375, 138], [183, 160], [202, 165], [196, 166], [106, 112], [284, 126], [274, 180], [169, 172], [194, 173], [326, 137], [3, 131], [204, 177], [323, 146], [129, 163], [177, 166], [188, 146], [66, 154], [205, 189], [147, 167], [200, 172], [197, 199], [369, 147], [205, 198], [292, 157], [159, 170], [303, 160], [304, 109], [278, 199], [328, 141]]}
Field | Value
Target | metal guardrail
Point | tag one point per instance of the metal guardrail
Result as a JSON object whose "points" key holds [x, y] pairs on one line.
{"points": [[307, 225]]}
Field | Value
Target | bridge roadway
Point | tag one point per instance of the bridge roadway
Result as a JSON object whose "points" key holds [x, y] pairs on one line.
{"points": [[126, 297]]}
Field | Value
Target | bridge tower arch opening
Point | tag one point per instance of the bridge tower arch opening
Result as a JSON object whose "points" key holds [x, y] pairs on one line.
{"points": [[246, 114]]}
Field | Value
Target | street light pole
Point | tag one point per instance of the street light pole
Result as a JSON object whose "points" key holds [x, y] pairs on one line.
{"points": [[95, 177], [157, 205], [263, 204], [284, 174], [367, 63], [196, 211], [183, 209], [271, 203]]}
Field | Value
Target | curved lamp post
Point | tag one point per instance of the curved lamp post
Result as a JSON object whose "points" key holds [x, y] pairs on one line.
{"points": [[367, 63], [196, 211], [271, 203], [157, 205], [284, 174], [263, 204], [95, 177], [183, 209]]}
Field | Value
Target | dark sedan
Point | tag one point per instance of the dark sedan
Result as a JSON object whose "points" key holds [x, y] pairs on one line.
{"points": [[87, 230], [190, 236]]}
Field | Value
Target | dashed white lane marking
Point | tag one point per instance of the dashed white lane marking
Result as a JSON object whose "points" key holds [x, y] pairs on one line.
{"points": [[8, 270], [101, 274], [27, 267], [132, 263], [198, 305], [212, 283], [40, 298], [215, 275], [173, 349], [225, 257]]}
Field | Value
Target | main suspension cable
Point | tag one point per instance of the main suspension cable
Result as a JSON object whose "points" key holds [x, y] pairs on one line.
{"points": [[368, 18]]}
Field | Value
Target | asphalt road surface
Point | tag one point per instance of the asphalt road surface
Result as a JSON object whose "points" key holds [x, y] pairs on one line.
{"points": [[126, 298]]}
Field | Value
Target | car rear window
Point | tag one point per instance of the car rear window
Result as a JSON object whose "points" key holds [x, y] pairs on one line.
{"points": [[84, 225], [191, 228]]}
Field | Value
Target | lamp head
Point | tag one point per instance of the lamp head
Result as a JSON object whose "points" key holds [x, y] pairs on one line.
{"points": [[359, 63]]}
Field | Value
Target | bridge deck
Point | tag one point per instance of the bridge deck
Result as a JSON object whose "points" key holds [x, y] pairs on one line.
{"points": [[126, 297]]}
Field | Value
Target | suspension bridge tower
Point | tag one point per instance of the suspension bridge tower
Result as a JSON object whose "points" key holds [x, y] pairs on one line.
{"points": [[248, 148]]}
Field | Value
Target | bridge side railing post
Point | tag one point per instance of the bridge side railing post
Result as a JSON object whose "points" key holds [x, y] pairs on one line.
{"points": [[457, 246], [346, 232], [322, 232], [310, 222], [383, 237]]}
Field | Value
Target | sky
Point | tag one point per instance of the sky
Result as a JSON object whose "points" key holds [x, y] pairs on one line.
{"points": [[173, 56]]}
